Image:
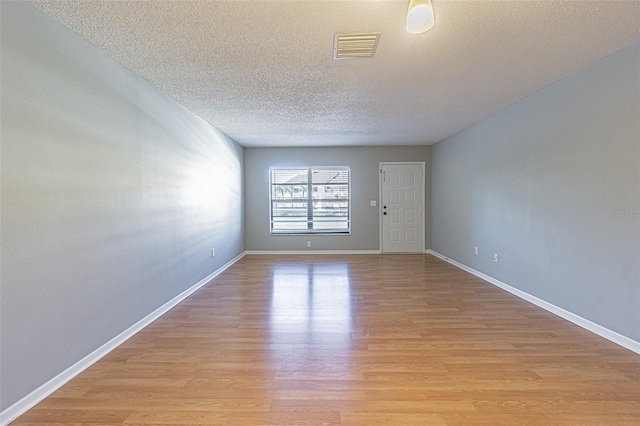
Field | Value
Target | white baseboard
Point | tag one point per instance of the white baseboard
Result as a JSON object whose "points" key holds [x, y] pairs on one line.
{"points": [[601, 331], [26, 403], [313, 252]]}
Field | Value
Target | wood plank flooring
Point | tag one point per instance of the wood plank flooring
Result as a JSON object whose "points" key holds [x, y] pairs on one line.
{"points": [[353, 340]]}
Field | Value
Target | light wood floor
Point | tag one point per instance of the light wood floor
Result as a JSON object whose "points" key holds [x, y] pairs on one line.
{"points": [[354, 340]]}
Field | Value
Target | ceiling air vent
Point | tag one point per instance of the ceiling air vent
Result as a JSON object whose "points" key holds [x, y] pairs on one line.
{"points": [[355, 45]]}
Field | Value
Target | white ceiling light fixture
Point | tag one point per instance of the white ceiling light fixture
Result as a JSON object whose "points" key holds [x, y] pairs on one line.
{"points": [[420, 16]]}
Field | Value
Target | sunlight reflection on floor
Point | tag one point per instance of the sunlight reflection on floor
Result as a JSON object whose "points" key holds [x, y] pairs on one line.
{"points": [[311, 298]]}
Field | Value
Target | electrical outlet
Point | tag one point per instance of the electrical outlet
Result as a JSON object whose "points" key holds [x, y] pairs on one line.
{"points": [[476, 251], [308, 243], [496, 258], [213, 252], [373, 203]]}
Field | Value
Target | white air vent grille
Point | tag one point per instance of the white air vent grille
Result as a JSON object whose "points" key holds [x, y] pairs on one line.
{"points": [[355, 45]]}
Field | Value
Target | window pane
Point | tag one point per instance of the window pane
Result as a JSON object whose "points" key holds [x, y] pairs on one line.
{"points": [[330, 176], [289, 176], [330, 199]]}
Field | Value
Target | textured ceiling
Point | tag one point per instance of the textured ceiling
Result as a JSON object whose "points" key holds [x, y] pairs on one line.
{"points": [[263, 72]]}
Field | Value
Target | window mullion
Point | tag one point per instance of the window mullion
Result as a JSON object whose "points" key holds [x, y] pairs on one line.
{"points": [[309, 198]]}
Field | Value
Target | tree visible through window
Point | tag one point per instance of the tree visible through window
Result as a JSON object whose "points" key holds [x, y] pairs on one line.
{"points": [[310, 200]]}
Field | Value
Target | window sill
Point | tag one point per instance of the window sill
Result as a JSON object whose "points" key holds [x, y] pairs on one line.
{"points": [[310, 232]]}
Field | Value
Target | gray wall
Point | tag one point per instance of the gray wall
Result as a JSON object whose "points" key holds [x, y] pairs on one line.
{"points": [[364, 188], [552, 184], [112, 197]]}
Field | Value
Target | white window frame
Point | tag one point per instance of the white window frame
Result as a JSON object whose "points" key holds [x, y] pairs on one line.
{"points": [[307, 231]]}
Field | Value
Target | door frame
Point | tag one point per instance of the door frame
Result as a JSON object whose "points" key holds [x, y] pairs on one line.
{"points": [[380, 197]]}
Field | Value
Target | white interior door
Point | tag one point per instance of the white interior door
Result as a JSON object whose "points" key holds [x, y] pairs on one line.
{"points": [[402, 209]]}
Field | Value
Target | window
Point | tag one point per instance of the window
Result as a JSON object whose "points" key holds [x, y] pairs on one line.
{"points": [[310, 200]]}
